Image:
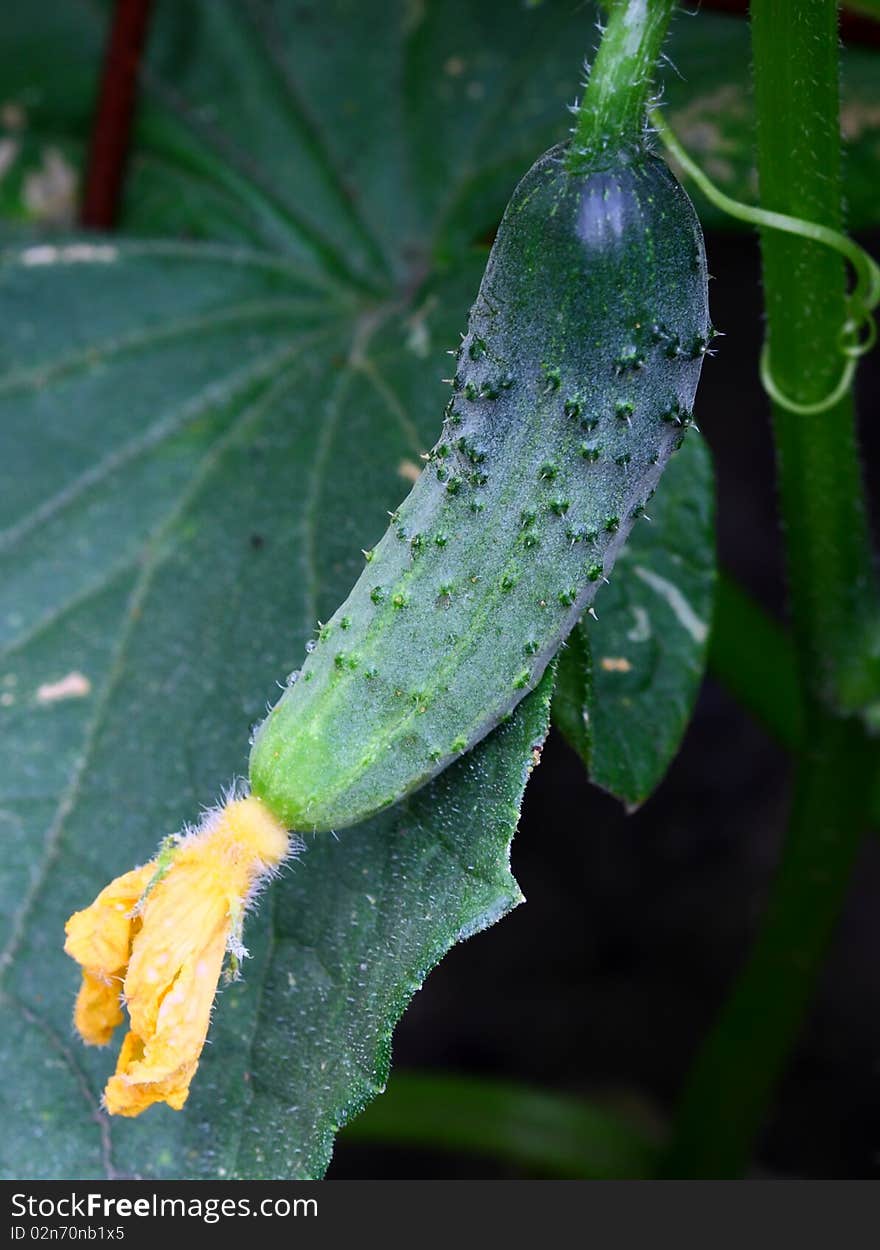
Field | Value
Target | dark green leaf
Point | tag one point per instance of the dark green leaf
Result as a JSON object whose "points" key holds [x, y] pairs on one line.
{"points": [[628, 681]]}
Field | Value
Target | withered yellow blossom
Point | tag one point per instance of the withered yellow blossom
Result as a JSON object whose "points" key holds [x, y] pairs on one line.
{"points": [[155, 940]]}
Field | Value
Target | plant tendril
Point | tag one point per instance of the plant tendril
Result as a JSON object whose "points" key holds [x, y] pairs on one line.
{"points": [[858, 334]]}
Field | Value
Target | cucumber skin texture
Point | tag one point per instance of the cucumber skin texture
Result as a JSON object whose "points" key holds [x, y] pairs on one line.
{"points": [[574, 385]]}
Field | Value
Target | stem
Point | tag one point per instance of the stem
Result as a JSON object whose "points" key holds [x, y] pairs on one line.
{"points": [[549, 1133], [834, 599], [832, 594], [611, 114], [752, 656], [736, 1072]]}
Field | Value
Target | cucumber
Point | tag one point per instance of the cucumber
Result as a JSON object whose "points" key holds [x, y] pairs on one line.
{"points": [[574, 385]]}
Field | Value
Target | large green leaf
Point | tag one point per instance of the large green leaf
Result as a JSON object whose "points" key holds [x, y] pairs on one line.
{"points": [[197, 442], [190, 476], [198, 439], [628, 681]]}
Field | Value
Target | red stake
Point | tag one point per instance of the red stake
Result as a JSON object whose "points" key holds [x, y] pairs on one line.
{"points": [[111, 129]]}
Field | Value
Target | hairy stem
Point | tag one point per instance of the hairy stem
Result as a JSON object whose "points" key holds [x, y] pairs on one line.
{"points": [[833, 592], [612, 111], [832, 595]]}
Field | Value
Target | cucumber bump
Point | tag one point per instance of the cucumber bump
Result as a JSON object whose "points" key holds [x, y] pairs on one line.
{"points": [[575, 384]]}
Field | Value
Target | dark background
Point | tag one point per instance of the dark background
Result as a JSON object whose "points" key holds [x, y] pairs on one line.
{"points": [[605, 981]]}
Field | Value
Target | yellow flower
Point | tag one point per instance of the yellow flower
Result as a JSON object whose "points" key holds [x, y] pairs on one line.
{"points": [[155, 939]]}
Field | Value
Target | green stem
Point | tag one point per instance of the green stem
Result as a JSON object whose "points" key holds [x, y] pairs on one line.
{"points": [[612, 112], [548, 1133], [832, 593], [834, 598], [735, 1074], [752, 656]]}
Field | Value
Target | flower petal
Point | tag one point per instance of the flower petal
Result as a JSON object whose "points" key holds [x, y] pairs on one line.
{"points": [[99, 937], [124, 1096], [98, 1010], [166, 932], [186, 914]]}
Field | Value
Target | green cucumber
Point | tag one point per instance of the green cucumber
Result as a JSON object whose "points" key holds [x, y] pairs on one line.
{"points": [[574, 385]]}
